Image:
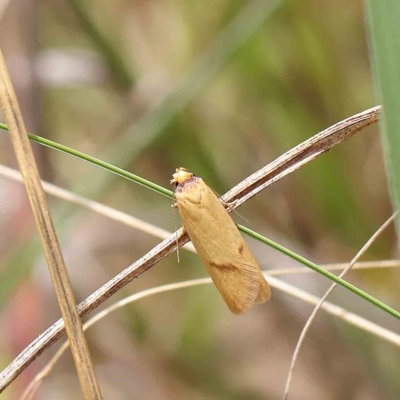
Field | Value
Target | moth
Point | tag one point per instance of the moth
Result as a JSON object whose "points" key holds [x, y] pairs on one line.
{"points": [[219, 244]]}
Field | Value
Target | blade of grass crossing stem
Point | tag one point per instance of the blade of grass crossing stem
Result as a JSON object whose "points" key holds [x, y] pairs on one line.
{"points": [[322, 271]]}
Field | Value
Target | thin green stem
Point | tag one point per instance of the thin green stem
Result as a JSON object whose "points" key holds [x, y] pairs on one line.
{"points": [[321, 271], [255, 235], [99, 163]]}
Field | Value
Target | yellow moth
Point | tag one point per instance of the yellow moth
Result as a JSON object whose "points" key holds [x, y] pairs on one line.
{"points": [[219, 243]]}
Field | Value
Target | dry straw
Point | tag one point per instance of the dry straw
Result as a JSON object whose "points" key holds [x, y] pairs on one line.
{"points": [[55, 262]]}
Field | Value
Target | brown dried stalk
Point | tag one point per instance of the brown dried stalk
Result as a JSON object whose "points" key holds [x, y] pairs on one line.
{"points": [[44, 223], [282, 166]]}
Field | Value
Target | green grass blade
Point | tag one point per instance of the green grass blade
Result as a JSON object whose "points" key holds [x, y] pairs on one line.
{"points": [[321, 271], [384, 26], [95, 161]]}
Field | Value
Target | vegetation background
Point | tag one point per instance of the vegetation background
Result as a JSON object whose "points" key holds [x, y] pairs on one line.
{"points": [[154, 85]]}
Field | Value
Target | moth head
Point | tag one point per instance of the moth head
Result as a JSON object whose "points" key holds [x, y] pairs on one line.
{"points": [[180, 176]]}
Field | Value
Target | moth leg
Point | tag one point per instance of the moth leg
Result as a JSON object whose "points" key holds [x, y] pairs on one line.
{"points": [[174, 205], [228, 206]]}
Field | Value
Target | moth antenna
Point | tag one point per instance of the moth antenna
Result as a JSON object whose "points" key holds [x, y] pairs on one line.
{"points": [[241, 216], [176, 229], [228, 205]]}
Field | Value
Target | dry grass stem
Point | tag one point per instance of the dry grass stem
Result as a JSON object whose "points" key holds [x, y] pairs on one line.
{"points": [[325, 296], [94, 206], [44, 224], [300, 155], [339, 312], [288, 162]]}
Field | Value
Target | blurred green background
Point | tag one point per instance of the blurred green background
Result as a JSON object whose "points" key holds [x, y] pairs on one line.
{"points": [[222, 88]]}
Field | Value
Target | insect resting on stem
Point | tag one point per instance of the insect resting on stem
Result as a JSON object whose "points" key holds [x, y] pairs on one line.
{"points": [[219, 244]]}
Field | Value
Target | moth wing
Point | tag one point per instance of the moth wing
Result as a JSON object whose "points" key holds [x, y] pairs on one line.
{"points": [[221, 248], [240, 284], [265, 292]]}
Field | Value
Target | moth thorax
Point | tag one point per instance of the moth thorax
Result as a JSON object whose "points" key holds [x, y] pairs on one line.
{"points": [[188, 186]]}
